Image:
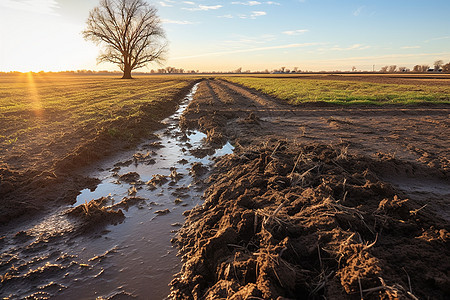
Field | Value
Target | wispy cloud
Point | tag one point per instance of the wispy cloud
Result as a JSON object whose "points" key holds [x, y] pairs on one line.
{"points": [[410, 47], [438, 38], [248, 50], [295, 32], [164, 4], [254, 3], [242, 41], [178, 22], [37, 6], [358, 11], [203, 7], [349, 48], [253, 15], [226, 16], [249, 3]]}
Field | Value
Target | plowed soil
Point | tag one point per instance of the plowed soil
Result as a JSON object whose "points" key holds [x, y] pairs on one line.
{"points": [[318, 201]]}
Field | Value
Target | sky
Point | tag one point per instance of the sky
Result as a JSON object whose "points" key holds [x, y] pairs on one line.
{"points": [[212, 35]]}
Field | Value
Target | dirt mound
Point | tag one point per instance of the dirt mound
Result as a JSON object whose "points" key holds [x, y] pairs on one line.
{"points": [[283, 220], [94, 215]]}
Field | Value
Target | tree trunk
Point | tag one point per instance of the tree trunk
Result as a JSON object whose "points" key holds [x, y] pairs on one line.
{"points": [[127, 72]]}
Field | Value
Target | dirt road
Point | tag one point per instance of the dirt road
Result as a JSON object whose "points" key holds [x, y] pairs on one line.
{"points": [[318, 200]]}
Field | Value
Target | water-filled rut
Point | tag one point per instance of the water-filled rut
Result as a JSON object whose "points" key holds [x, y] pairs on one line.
{"points": [[62, 256]]}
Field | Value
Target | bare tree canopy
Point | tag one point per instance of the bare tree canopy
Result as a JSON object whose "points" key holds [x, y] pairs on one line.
{"points": [[438, 64], [130, 31]]}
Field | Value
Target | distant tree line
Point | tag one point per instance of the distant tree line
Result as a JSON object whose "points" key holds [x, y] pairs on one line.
{"points": [[438, 67], [172, 70]]}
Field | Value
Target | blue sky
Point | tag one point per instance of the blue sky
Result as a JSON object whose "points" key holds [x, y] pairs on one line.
{"points": [[256, 35]]}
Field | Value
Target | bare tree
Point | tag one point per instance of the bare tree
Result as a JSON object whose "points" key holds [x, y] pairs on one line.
{"points": [[438, 64], [420, 68], [130, 31], [392, 68], [417, 68], [170, 70], [446, 68], [384, 69], [425, 68]]}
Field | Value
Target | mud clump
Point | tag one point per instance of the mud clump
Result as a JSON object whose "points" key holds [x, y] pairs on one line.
{"points": [[174, 175], [129, 177], [202, 152], [289, 221], [198, 169], [162, 212], [155, 145], [126, 202], [123, 163], [143, 158], [94, 215], [157, 179], [251, 119]]}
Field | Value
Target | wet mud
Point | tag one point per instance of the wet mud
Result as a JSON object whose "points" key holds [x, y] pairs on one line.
{"points": [[114, 241], [317, 201]]}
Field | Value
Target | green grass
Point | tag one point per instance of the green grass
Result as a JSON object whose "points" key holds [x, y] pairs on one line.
{"points": [[299, 90], [33, 104]]}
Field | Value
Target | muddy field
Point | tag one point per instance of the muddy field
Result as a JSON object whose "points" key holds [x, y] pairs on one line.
{"points": [[315, 201], [42, 167], [318, 201]]}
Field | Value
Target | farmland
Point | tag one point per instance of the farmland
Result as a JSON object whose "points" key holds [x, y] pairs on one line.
{"points": [[315, 200], [43, 103], [353, 90], [53, 123]]}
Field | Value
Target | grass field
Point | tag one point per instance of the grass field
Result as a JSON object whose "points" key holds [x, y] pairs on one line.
{"points": [[45, 102], [299, 90]]}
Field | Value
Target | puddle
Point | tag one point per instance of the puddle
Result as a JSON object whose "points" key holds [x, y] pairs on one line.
{"points": [[425, 191], [421, 185], [133, 258]]}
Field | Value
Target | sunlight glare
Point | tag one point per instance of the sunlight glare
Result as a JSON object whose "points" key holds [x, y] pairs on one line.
{"points": [[36, 104]]}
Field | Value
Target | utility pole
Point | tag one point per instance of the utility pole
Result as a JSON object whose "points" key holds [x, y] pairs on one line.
{"points": [[373, 70]]}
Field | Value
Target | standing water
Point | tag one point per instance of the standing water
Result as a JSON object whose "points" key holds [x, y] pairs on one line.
{"points": [[133, 259]]}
